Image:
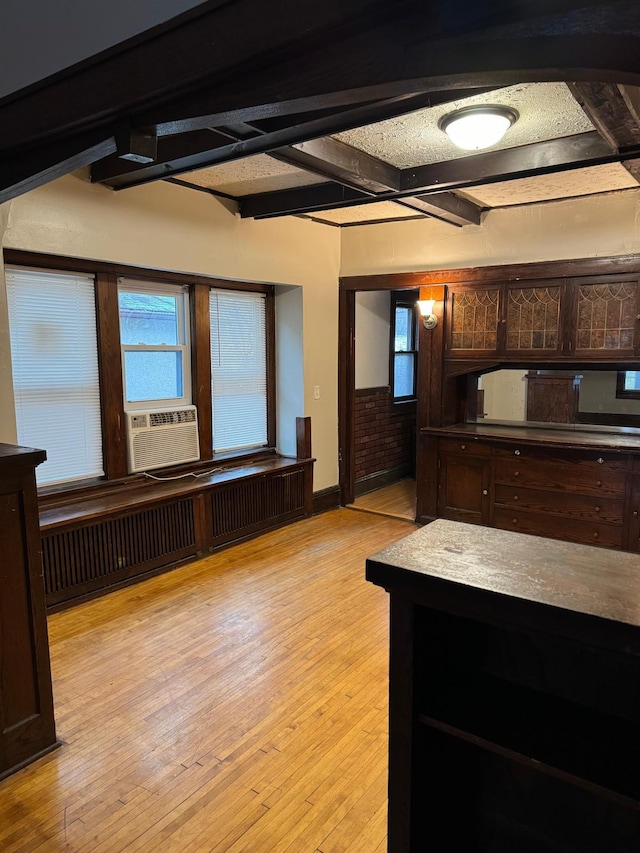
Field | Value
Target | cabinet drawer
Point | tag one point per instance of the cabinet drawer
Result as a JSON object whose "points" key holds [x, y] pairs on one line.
{"points": [[563, 473], [569, 505], [469, 447], [559, 527]]}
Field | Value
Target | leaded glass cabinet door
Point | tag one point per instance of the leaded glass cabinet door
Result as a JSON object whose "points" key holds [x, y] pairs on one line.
{"points": [[606, 316], [533, 314], [474, 314]]}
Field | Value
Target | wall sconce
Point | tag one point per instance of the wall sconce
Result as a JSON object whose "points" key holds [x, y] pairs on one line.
{"points": [[425, 306]]}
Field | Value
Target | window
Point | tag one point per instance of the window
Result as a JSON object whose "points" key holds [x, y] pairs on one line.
{"points": [[52, 320], [154, 342], [628, 384], [95, 342], [404, 346], [238, 369]]}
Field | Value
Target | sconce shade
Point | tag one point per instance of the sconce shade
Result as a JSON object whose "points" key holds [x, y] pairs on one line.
{"points": [[475, 128], [426, 307]]}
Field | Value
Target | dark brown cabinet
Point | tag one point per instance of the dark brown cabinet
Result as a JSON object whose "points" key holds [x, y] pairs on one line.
{"points": [[538, 482], [464, 482], [593, 318], [27, 727], [514, 721]]}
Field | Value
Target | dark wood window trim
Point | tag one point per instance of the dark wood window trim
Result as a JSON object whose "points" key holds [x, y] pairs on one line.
{"points": [[621, 392], [403, 299], [110, 366]]}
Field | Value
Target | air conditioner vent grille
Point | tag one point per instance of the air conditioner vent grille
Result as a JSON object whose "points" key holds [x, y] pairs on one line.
{"points": [[171, 438]]}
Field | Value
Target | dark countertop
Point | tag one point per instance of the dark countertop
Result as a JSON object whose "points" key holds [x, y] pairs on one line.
{"points": [[451, 563], [627, 441]]}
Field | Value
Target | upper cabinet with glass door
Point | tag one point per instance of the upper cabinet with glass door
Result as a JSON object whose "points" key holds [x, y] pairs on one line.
{"points": [[606, 312], [595, 319], [474, 317]]}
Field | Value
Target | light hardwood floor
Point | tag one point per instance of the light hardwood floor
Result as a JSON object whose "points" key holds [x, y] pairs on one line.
{"points": [[236, 704], [397, 500]]}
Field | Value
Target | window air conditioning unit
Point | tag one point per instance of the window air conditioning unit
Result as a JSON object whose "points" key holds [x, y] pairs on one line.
{"points": [[160, 438]]}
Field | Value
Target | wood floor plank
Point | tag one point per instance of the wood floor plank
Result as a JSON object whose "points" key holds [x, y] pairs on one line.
{"points": [[238, 703]]}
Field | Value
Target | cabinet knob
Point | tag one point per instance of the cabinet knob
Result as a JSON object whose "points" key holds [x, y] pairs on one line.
{"points": [[600, 460], [485, 491], [598, 482], [596, 535], [516, 473], [517, 452], [463, 447], [515, 497], [515, 520], [597, 509], [635, 514]]}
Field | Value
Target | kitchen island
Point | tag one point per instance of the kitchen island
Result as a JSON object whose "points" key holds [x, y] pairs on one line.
{"points": [[514, 719]]}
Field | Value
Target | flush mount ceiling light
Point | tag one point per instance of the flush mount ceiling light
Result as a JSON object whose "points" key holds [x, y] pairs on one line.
{"points": [[474, 128]]}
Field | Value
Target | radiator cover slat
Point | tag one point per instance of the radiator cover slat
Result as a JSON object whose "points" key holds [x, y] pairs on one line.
{"points": [[78, 560]]}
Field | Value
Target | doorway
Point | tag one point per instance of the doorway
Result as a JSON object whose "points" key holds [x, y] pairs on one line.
{"points": [[378, 363]]}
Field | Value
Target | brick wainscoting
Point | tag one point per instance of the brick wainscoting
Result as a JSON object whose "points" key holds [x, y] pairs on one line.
{"points": [[385, 443]]}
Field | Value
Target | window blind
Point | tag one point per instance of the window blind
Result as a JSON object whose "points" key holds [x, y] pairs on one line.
{"points": [[52, 322], [238, 369]]}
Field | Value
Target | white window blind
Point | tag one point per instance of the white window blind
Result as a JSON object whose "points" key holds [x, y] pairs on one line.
{"points": [[238, 369], [52, 322]]}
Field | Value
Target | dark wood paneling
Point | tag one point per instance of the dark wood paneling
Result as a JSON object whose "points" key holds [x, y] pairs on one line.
{"points": [[303, 438], [346, 388], [27, 726], [114, 442], [270, 321], [380, 479], [201, 366]]}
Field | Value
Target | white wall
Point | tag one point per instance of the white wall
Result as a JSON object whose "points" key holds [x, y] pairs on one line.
{"points": [[580, 228], [372, 338], [598, 394], [58, 33], [505, 395], [165, 226]]}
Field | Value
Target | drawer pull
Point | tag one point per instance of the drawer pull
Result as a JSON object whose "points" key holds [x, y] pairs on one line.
{"points": [[597, 509], [485, 491], [515, 520], [598, 482], [600, 460], [596, 535], [517, 452], [635, 514], [515, 497], [463, 447], [516, 473]]}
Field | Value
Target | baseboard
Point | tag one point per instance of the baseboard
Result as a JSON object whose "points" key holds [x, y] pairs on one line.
{"points": [[381, 478], [326, 499]]}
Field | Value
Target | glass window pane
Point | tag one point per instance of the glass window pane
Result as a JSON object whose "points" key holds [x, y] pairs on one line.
{"points": [[148, 318], [152, 375], [403, 375], [632, 380], [403, 329]]}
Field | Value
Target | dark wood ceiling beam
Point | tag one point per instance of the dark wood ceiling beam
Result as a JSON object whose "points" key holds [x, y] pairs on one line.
{"points": [[199, 153], [447, 207], [186, 152], [33, 169], [538, 158], [343, 163], [584, 149], [612, 110]]}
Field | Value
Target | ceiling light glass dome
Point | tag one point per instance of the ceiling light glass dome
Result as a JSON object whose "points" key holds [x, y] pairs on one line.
{"points": [[475, 128]]}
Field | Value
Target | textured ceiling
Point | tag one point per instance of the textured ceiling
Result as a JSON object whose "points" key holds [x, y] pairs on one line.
{"points": [[577, 182], [366, 213], [259, 174], [547, 111]]}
